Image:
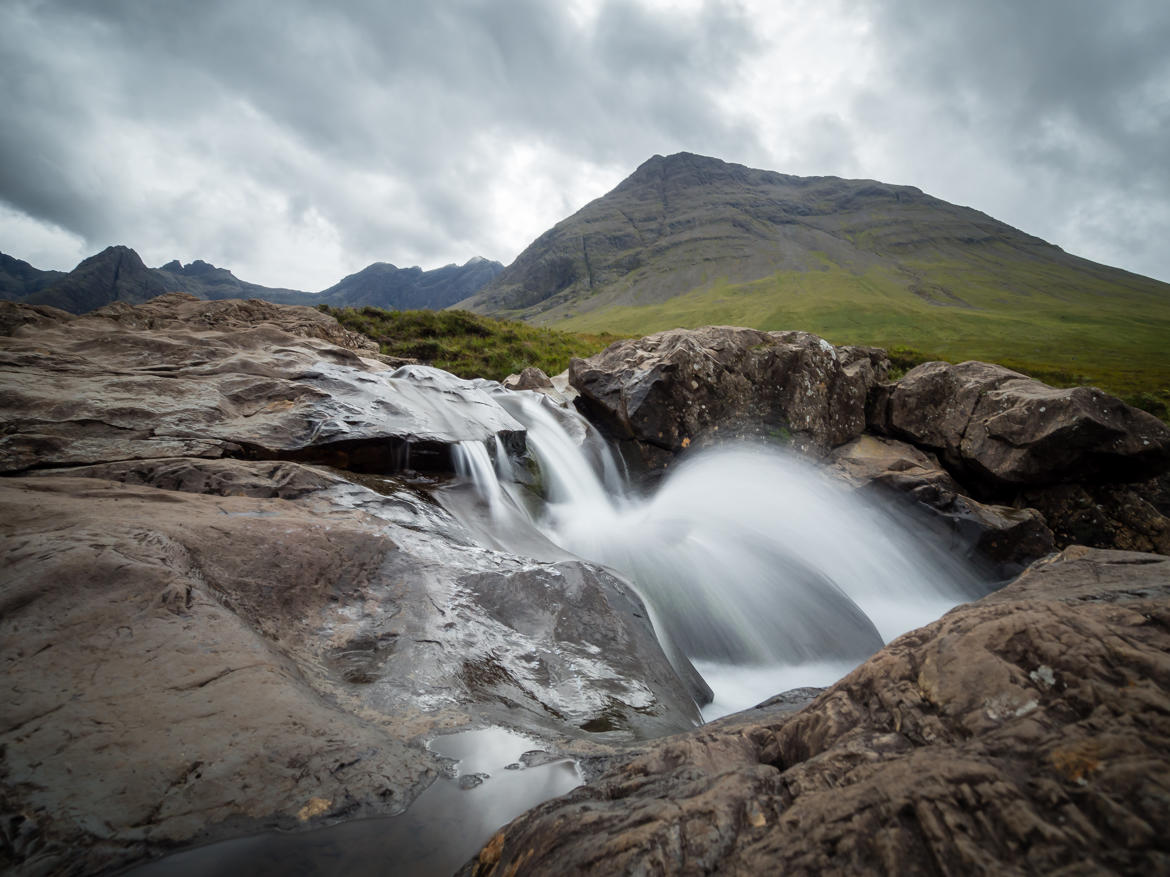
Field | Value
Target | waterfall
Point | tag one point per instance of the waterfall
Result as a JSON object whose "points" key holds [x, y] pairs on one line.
{"points": [[759, 568]]}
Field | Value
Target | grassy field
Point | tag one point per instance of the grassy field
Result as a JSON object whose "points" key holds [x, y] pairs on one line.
{"points": [[1079, 333], [467, 344]]}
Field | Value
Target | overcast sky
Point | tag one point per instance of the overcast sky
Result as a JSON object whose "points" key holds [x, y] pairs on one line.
{"points": [[297, 141]]}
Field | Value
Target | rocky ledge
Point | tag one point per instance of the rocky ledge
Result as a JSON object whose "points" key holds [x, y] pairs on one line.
{"points": [[1028, 732], [204, 636], [1003, 465], [232, 602]]}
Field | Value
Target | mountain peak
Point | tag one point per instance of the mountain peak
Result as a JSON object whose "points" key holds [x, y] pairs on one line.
{"points": [[692, 225]]}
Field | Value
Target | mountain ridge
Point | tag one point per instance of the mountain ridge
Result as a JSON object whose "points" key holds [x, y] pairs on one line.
{"points": [[687, 241], [118, 273]]}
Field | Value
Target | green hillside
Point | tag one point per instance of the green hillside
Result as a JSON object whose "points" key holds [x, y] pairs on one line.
{"points": [[1117, 339], [689, 241]]}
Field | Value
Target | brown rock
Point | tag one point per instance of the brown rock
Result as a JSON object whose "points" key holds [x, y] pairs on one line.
{"points": [[183, 666], [182, 377], [1124, 516], [530, 378], [1003, 429], [1008, 538], [1028, 732], [689, 388]]}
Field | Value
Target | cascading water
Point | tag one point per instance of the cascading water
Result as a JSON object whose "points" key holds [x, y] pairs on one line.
{"points": [[759, 569]]}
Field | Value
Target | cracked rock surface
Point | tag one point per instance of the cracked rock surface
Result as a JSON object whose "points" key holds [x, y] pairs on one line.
{"points": [[1028, 732]]}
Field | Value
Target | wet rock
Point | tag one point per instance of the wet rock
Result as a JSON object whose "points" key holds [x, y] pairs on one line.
{"points": [[196, 649], [688, 388], [182, 377], [1026, 732], [530, 378], [1123, 516], [14, 315], [998, 428], [1006, 537]]}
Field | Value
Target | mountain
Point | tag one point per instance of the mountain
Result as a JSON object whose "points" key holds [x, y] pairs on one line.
{"points": [[18, 278], [119, 274], [204, 280], [115, 274], [386, 286], [688, 240]]}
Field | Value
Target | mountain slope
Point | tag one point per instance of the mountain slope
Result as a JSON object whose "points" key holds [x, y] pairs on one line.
{"points": [[115, 274], [19, 279], [688, 240], [119, 274], [385, 286]]}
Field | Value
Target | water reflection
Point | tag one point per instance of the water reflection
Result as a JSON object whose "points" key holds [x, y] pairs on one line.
{"points": [[443, 828]]}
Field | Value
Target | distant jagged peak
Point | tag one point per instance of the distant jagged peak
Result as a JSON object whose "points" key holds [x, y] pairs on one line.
{"points": [[115, 256], [198, 268]]}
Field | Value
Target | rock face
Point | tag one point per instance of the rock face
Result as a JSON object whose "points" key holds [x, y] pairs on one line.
{"points": [[1003, 429], [1024, 733], [183, 377], [1132, 517], [1008, 538], [189, 665], [680, 389], [199, 643]]}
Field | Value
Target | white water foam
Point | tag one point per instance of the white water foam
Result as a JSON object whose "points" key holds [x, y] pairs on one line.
{"points": [[759, 568]]}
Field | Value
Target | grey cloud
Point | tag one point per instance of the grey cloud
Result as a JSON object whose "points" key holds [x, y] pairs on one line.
{"points": [[1072, 94], [325, 92]]}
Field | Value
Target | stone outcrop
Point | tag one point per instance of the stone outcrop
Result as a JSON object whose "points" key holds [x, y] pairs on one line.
{"points": [[183, 377], [1003, 536], [682, 389], [998, 428], [1132, 517], [205, 636], [1027, 732], [200, 648]]}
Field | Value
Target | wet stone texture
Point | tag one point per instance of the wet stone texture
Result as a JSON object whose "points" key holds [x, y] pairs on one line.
{"points": [[690, 388], [1003, 537], [1028, 732], [182, 377]]}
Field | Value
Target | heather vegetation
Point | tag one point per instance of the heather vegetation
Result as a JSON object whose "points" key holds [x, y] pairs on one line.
{"points": [[466, 344]]}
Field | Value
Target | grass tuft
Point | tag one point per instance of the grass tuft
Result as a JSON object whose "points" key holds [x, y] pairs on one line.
{"points": [[467, 344]]}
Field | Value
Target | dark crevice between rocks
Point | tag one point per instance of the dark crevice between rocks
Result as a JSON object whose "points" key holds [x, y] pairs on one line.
{"points": [[386, 455]]}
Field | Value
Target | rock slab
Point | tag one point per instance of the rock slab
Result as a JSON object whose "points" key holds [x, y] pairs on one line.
{"points": [[1028, 732], [1002, 429]]}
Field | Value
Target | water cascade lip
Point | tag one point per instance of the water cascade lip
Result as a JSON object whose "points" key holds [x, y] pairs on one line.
{"points": [[747, 557]]}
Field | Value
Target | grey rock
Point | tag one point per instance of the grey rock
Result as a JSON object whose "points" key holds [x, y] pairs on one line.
{"points": [[682, 389], [995, 426], [1005, 537], [1025, 733], [182, 377], [271, 650]]}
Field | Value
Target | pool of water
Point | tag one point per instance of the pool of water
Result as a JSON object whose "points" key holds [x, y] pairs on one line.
{"points": [[497, 776]]}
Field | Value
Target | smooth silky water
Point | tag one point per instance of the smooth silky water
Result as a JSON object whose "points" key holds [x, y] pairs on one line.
{"points": [[760, 570], [763, 571]]}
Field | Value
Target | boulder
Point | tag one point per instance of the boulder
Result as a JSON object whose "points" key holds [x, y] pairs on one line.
{"points": [[530, 378], [182, 377], [689, 388], [1028, 732], [1001, 429], [1005, 537], [1124, 516], [196, 649]]}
